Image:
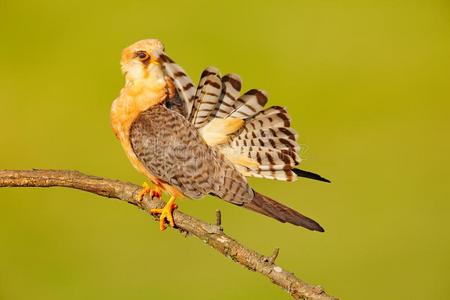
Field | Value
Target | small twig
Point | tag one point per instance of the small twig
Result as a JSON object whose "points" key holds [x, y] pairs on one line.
{"points": [[274, 256], [185, 223], [219, 219]]}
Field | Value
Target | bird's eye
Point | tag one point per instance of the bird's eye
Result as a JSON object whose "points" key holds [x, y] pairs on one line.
{"points": [[142, 55]]}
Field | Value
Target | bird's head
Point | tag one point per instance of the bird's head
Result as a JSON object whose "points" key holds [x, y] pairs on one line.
{"points": [[140, 60], [148, 70]]}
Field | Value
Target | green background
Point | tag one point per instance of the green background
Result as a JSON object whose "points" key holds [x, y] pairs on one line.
{"points": [[367, 85]]}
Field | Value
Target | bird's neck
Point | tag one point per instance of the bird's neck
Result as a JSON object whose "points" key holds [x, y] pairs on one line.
{"points": [[138, 95]]}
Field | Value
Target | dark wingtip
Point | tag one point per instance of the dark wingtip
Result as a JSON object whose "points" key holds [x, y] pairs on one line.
{"points": [[319, 228], [310, 175]]}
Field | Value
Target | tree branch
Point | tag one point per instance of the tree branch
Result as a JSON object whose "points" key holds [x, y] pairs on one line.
{"points": [[210, 234]]}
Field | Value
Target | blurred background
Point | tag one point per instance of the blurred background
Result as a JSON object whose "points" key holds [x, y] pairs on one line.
{"points": [[367, 85]]}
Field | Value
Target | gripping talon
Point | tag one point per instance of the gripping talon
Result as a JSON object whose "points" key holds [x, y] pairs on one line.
{"points": [[165, 213], [146, 189]]}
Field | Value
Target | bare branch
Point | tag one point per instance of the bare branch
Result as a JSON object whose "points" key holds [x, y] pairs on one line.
{"points": [[209, 233]]}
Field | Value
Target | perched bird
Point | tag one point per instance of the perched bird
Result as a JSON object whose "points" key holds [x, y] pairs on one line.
{"points": [[197, 141]]}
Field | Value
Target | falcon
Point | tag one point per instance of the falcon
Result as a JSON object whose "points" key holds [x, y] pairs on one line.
{"points": [[195, 141]]}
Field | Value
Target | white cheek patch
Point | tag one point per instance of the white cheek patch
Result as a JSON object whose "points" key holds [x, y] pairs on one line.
{"points": [[134, 71]]}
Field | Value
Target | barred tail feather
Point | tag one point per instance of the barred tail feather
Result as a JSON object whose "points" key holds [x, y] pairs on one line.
{"points": [[206, 97], [231, 89], [285, 174], [259, 142], [183, 84], [249, 104], [268, 138], [273, 117], [267, 158], [269, 207]]}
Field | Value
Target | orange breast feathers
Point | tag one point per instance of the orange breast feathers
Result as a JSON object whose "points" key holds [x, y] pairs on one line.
{"points": [[135, 97]]}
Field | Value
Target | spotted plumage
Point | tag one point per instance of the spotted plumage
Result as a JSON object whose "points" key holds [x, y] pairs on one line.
{"points": [[196, 141], [171, 148]]}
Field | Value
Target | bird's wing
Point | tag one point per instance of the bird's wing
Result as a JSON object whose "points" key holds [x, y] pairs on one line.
{"points": [[206, 97], [171, 149], [258, 141]]}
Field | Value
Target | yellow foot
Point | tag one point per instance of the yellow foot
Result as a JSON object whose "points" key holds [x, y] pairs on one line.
{"points": [[165, 213], [156, 192]]}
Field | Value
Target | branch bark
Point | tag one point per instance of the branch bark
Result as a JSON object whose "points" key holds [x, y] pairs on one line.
{"points": [[210, 234]]}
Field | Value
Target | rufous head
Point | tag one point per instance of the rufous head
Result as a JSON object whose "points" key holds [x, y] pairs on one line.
{"points": [[139, 58]]}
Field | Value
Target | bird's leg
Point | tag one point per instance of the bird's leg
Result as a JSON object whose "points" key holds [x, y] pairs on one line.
{"points": [[165, 213], [146, 189]]}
